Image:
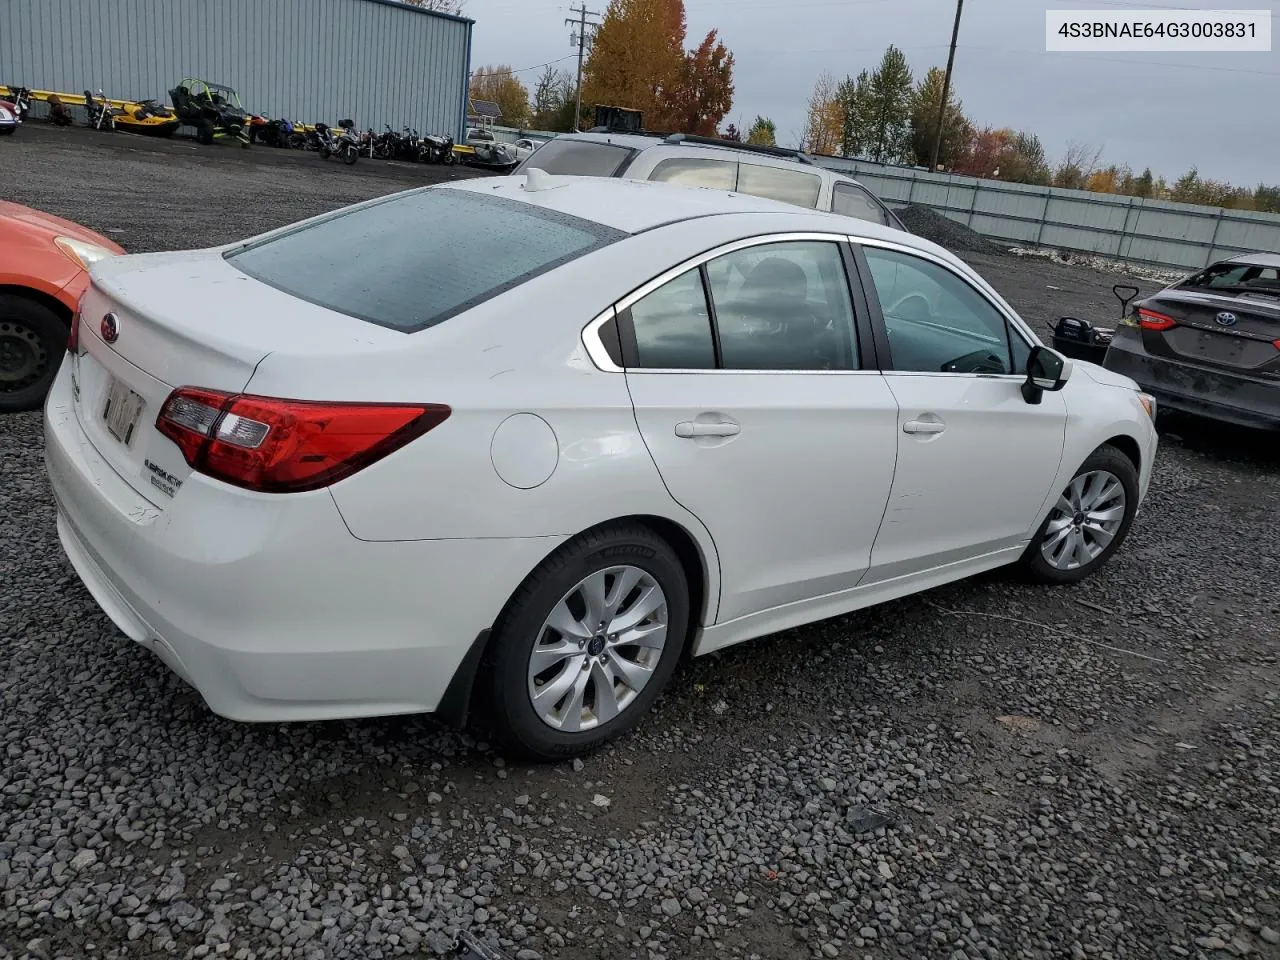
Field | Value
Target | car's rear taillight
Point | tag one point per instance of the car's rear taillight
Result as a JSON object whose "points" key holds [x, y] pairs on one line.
{"points": [[287, 446], [73, 338], [1150, 320]]}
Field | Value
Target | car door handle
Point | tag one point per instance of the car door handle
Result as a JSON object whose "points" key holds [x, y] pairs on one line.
{"points": [[690, 429], [923, 426]]}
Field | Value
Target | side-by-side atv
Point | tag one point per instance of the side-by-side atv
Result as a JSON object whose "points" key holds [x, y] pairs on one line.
{"points": [[213, 109]]}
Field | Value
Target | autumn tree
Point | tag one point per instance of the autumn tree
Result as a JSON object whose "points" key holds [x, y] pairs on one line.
{"points": [[732, 133], [1077, 166], [704, 93], [986, 152], [1024, 160], [500, 85], [926, 103], [1104, 181], [824, 123], [639, 61], [764, 132]]}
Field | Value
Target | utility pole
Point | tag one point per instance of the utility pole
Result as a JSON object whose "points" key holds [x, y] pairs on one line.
{"points": [[581, 40], [946, 89]]}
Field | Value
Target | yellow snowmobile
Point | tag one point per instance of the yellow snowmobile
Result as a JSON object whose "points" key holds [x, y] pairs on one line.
{"points": [[149, 118]]}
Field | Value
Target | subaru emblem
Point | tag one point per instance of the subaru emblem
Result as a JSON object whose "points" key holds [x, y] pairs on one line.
{"points": [[1225, 319], [111, 328]]}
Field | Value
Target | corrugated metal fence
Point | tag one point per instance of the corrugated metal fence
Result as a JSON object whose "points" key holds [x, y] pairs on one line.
{"points": [[375, 62], [1153, 232]]}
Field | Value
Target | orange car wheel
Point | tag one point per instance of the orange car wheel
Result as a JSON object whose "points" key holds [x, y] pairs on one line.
{"points": [[32, 341]]}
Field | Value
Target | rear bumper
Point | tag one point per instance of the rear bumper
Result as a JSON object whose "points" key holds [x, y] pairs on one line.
{"points": [[267, 605], [1219, 395]]}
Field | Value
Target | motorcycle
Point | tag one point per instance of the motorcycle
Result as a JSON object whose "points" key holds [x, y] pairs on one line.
{"points": [[439, 150], [345, 146], [102, 116], [20, 97]]}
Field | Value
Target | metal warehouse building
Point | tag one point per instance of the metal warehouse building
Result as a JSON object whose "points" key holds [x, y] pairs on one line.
{"points": [[375, 61]]}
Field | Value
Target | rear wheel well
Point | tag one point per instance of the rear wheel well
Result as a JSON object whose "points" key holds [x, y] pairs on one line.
{"points": [[1129, 447], [691, 559], [36, 296], [455, 705]]}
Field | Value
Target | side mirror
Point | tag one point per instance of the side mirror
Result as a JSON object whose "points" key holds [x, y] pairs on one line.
{"points": [[1046, 370]]}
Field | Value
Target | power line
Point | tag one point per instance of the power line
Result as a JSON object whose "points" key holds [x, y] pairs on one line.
{"points": [[582, 40], [539, 66]]}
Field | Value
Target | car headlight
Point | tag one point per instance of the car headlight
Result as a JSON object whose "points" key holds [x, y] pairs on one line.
{"points": [[1148, 404], [82, 252]]}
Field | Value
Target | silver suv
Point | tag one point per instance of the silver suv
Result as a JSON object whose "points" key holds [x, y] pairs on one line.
{"points": [[772, 172]]}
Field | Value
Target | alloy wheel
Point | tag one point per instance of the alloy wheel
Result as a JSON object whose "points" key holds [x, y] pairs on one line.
{"points": [[598, 648], [1084, 521]]}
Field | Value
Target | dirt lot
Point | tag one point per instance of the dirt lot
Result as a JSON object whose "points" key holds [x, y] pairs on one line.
{"points": [[989, 770]]}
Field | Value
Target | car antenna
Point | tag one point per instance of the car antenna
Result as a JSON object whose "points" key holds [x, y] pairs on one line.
{"points": [[536, 179]]}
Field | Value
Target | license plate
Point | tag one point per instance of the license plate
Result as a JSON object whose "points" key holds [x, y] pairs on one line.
{"points": [[121, 411]]}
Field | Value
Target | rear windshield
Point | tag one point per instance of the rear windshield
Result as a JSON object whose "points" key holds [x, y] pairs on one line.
{"points": [[416, 259], [1238, 277], [579, 158]]}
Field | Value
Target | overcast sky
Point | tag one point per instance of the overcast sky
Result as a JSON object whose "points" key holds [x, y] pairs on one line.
{"points": [[1217, 111]]}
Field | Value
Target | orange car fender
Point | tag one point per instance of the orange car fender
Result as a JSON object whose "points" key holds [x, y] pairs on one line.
{"points": [[64, 282]]}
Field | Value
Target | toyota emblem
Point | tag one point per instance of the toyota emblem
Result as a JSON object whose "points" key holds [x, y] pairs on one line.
{"points": [[1225, 319], [111, 328]]}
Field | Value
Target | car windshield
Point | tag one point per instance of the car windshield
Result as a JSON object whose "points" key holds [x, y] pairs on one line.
{"points": [[579, 158], [379, 263], [1236, 277]]}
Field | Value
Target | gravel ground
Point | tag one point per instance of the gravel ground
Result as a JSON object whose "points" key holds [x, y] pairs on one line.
{"points": [[990, 770]]}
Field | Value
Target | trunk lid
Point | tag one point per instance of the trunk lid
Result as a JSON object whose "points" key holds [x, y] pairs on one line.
{"points": [[1235, 331], [184, 319]]}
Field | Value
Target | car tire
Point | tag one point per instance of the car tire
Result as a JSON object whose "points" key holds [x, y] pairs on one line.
{"points": [[1069, 547], [615, 558], [33, 339]]}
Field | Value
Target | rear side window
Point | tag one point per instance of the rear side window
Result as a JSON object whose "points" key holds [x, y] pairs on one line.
{"points": [[697, 172], [774, 183], [852, 201], [673, 326], [418, 258], [579, 158]]}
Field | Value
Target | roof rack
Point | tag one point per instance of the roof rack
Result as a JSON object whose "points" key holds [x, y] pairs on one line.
{"points": [[783, 152], [678, 138]]}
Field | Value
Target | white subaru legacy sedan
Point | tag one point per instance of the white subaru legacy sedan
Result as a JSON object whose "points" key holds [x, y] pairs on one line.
{"points": [[512, 448]]}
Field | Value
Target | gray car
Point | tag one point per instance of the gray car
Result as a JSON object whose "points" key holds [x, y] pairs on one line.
{"points": [[1210, 344]]}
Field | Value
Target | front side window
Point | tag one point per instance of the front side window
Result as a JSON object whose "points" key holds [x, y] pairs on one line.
{"points": [[937, 322], [850, 200], [697, 172], [776, 183], [376, 263], [672, 326]]}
